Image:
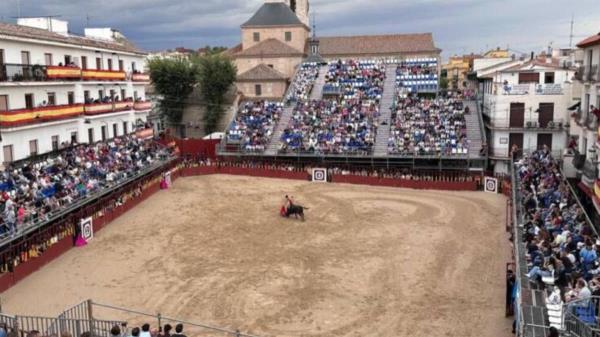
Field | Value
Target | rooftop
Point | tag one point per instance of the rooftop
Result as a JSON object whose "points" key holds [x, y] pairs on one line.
{"points": [[377, 44], [273, 14], [261, 72], [19, 31]]}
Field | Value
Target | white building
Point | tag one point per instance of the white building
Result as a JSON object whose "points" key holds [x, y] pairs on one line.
{"points": [[525, 105], [57, 88], [584, 121]]}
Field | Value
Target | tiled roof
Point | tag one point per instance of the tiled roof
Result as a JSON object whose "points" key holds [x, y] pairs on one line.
{"points": [[233, 50], [269, 47], [261, 72], [123, 45], [377, 44], [590, 41], [528, 66], [273, 14]]}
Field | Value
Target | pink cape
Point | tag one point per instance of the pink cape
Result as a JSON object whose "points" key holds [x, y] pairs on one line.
{"points": [[80, 241]]}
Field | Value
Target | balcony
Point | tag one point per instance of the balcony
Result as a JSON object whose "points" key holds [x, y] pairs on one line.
{"points": [[530, 88], [37, 73], [103, 75], [591, 74], [21, 117], [504, 153], [142, 105], [93, 109], [140, 77], [555, 125]]}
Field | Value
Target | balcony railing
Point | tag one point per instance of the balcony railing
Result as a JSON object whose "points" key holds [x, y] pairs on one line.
{"points": [[109, 107], [41, 73], [142, 105], [140, 77], [534, 124], [505, 152], [20, 117], [103, 75], [530, 88], [591, 74]]}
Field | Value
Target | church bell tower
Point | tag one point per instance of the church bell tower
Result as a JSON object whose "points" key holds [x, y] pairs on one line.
{"points": [[302, 9]]}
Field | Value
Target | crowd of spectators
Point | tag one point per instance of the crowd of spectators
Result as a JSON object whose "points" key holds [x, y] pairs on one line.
{"points": [[428, 127], [254, 125], [362, 79], [29, 193], [116, 331], [417, 75], [560, 244], [331, 127], [303, 82]]}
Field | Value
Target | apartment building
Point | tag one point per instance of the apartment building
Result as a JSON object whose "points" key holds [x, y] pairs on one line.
{"points": [[525, 105], [584, 119], [57, 88]]}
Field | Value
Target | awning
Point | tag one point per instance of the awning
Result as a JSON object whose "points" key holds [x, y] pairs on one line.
{"points": [[575, 106]]}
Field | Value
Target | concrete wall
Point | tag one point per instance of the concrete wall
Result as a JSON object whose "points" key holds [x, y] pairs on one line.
{"points": [[285, 65], [269, 89], [299, 36]]}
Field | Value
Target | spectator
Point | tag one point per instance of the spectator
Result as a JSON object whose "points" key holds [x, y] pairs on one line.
{"points": [[166, 331], [135, 332], [145, 330], [115, 331], [179, 331]]}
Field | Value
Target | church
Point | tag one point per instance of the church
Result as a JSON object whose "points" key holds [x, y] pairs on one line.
{"points": [[277, 38]]}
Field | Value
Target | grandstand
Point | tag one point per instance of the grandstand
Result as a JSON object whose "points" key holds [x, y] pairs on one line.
{"points": [[347, 111]]}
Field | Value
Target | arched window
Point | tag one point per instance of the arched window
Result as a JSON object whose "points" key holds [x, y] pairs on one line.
{"points": [[293, 5]]}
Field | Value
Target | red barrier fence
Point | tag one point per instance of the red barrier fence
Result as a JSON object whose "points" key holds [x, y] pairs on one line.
{"points": [[414, 184]]}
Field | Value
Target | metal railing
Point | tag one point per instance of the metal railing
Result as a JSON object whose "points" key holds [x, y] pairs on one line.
{"points": [[528, 123], [591, 73], [22, 73], [580, 317], [139, 317]]}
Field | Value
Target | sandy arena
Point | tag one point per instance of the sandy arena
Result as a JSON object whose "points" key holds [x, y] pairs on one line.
{"points": [[368, 261]]}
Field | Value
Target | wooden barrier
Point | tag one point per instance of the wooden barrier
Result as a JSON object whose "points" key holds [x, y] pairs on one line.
{"points": [[402, 183]]}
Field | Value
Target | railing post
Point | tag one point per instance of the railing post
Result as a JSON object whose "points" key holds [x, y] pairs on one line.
{"points": [[90, 315], [159, 317]]}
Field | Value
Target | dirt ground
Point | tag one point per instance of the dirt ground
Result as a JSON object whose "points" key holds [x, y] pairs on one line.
{"points": [[368, 261]]}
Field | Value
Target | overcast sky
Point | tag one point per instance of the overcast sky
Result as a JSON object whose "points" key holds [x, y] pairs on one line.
{"points": [[459, 26]]}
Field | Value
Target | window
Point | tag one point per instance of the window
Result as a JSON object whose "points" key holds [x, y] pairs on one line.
{"points": [[288, 36], [270, 65], [55, 143], [68, 60], [98, 63], [115, 130], [48, 58], [103, 132], [71, 97], [84, 62], [8, 153], [25, 58], [256, 36], [529, 78], [28, 101], [73, 137], [125, 128], [51, 98], [258, 90], [133, 68], [91, 135], [123, 94], [33, 147], [121, 67], [86, 96], [135, 95], [3, 102], [110, 64], [1, 59], [100, 94], [112, 94], [549, 78], [315, 49]]}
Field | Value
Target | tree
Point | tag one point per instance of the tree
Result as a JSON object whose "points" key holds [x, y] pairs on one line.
{"points": [[444, 83], [216, 74], [174, 80]]}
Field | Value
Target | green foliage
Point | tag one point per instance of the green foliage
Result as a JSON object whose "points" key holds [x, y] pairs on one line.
{"points": [[216, 74], [444, 83], [174, 80]]}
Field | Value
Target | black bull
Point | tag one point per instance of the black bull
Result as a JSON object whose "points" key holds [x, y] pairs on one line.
{"points": [[296, 210]]}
